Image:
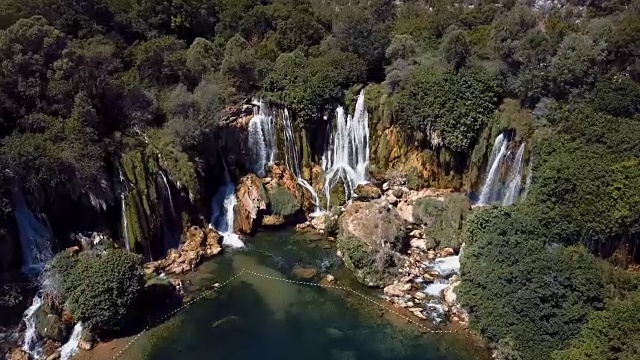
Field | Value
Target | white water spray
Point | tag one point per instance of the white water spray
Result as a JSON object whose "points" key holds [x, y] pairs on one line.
{"points": [[347, 156], [166, 185], [70, 348], [262, 141], [292, 159], [223, 212], [125, 232], [497, 155], [31, 344], [515, 178]]}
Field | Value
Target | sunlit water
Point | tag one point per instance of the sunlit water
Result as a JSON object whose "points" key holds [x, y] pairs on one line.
{"points": [[258, 318]]}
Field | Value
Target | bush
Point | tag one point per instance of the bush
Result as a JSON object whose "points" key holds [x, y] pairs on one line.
{"points": [[442, 219], [100, 290], [520, 288], [282, 202]]}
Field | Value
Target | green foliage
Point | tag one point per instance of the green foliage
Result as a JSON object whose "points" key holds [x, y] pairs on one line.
{"points": [[282, 202], [455, 48], [519, 286], [203, 57], [160, 62], [114, 280], [401, 47], [448, 107], [239, 63], [610, 334], [442, 220]]}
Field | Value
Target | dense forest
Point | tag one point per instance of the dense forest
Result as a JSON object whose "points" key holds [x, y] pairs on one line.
{"points": [[90, 89]]}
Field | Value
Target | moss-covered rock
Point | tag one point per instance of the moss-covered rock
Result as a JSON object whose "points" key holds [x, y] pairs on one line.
{"points": [[371, 235], [49, 324], [368, 192], [337, 195], [283, 203], [442, 219]]}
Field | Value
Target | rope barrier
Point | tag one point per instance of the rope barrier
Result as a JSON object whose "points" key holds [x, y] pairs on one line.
{"points": [[218, 286]]}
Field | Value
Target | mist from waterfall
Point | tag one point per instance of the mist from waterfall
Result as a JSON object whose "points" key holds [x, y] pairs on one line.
{"points": [[292, 159], [35, 237], [262, 140], [488, 192], [223, 212], [347, 156], [515, 178]]}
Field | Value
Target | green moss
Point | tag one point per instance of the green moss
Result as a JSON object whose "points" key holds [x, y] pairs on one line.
{"points": [[337, 195], [282, 202]]}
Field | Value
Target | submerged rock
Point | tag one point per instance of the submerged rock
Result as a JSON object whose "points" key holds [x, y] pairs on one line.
{"points": [[304, 273], [371, 235]]}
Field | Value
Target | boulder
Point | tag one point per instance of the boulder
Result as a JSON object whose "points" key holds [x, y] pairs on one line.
{"points": [[212, 244], [367, 192], [405, 210], [450, 296], [397, 289], [50, 326], [418, 243], [273, 220], [18, 354], [320, 222], [252, 202], [371, 235], [200, 244]]}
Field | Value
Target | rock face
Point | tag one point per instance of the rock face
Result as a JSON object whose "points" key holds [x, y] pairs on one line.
{"points": [[18, 354], [367, 192], [371, 236], [252, 203], [200, 244], [50, 325]]}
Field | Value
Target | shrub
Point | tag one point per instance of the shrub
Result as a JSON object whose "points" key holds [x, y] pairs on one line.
{"points": [[282, 202], [442, 219], [100, 290]]}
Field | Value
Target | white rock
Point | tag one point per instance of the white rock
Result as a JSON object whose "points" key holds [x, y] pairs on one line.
{"points": [[392, 200], [385, 186], [419, 314], [417, 233], [418, 243], [330, 278], [420, 295], [397, 289]]}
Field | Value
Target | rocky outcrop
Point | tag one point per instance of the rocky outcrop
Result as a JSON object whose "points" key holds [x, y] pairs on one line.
{"points": [[252, 204], [366, 192], [49, 325], [17, 354], [200, 244], [372, 234]]}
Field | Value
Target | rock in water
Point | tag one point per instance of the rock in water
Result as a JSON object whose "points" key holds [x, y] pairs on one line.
{"points": [[18, 354], [304, 273], [371, 235], [272, 220], [368, 192], [252, 200], [319, 223]]}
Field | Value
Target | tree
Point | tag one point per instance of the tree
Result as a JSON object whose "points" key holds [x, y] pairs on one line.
{"points": [[523, 289], [455, 48], [239, 64], [401, 47]]}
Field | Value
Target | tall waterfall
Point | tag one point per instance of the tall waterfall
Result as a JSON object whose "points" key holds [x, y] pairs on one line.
{"points": [[70, 348], [35, 238], [292, 158], [262, 141], [515, 178], [347, 156], [223, 211], [169, 220], [497, 156], [125, 232]]}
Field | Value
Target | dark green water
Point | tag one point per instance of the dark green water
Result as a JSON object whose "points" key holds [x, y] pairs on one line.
{"points": [[258, 318]]}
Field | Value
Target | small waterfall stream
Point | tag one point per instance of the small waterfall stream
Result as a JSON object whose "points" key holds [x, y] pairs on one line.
{"points": [[70, 348], [31, 344], [223, 212], [169, 218], [35, 237], [262, 141], [347, 156], [125, 233], [292, 159], [515, 178], [497, 155]]}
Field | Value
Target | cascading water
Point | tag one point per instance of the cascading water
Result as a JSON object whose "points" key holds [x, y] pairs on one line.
{"points": [[515, 178], [497, 156], [262, 141], [70, 348], [125, 233], [169, 220], [35, 238], [347, 156], [31, 344], [222, 212], [292, 159]]}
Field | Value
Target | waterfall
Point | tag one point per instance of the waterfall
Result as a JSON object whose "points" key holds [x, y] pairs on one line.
{"points": [[169, 220], [497, 155], [70, 348], [223, 211], [515, 178], [31, 343], [35, 238], [125, 233], [262, 141], [292, 159], [347, 156]]}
